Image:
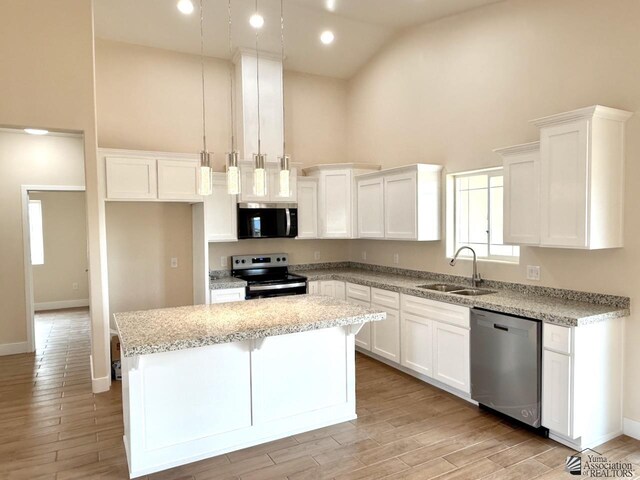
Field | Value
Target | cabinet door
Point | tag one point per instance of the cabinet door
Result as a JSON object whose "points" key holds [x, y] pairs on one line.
{"points": [[178, 180], [522, 199], [220, 212], [417, 343], [328, 288], [313, 288], [130, 178], [385, 335], [227, 295], [371, 207], [335, 204], [307, 208], [564, 159], [274, 186], [451, 356], [556, 392], [340, 290], [363, 337], [400, 206]]}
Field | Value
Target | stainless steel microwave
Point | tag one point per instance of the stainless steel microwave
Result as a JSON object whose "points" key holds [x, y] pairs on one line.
{"points": [[267, 220]]}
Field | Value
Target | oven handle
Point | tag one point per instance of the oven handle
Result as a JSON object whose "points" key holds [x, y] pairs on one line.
{"points": [[261, 288], [288, 216]]}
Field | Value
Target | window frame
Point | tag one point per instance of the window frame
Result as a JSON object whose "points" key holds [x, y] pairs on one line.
{"points": [[451, 211], [40, 260]]}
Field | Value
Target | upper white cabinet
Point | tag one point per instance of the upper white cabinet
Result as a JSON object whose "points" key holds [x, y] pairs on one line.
{"points": [[337, 200], [220, 212], [521, 193], [581, 178], [272, 173], [307, 207], [400, 203], [149, 176]]}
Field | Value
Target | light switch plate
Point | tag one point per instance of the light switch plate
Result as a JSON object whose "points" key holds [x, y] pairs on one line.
{"points": [[364, 255], [533, 272], [174, 262], [396, 258], [223, 261], [74, 286], [316, 255]]}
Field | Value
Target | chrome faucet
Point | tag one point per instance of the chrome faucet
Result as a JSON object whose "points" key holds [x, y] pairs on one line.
{"points": [[475, 279]]}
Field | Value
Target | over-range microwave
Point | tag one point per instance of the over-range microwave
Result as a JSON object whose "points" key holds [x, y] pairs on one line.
{"points": [[267, 220]]}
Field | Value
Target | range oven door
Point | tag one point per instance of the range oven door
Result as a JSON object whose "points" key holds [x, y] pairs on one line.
{"points": [[276, 290], [260, 220]]}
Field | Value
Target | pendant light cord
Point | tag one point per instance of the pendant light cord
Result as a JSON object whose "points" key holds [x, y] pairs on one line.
{"points": [[204, 117], [231, 83], [258, 82], [284, 141]]}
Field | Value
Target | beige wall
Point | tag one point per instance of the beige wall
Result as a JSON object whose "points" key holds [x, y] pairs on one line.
{"points": [[64, 222], [27, 160], [300, 251], [451, 91], [50, 84], [140, 276]]}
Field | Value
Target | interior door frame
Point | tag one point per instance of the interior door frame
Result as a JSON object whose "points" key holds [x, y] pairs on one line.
{"points": [[26, 247]]}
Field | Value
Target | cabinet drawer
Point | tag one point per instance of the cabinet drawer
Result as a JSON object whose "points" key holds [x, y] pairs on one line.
{"points": [[385, 298], [358, 292], [557, 338], [443, 312]]}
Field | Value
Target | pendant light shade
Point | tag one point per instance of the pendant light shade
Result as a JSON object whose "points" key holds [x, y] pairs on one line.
{"points": [[233, 174], [285, 170], [285, 177], [206, 177]]}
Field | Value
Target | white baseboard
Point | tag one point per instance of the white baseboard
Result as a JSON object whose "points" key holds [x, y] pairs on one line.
{"points": [[14, 348], [632, 428], [100, 384], [59, 305]]}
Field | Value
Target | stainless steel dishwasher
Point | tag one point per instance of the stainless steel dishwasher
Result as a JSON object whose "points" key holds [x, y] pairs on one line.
{"points": [[506, 358]]}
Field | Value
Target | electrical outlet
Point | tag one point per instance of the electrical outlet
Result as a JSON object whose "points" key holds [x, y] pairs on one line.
{"points": [[74, 286], [316, 255], [223, 261], [174, 262], [364, 255], [533, 272], [396, 258]]}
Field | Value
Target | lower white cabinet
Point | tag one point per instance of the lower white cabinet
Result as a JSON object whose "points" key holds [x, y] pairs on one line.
{"points": [[417, 343], [451, 356], [313, 288], [227, 295], [220, 212], [385, 334], [361, 295], [556, 403], [333, 288]]}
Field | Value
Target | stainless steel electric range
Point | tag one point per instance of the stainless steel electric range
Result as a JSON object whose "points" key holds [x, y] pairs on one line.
{"points": [[267, 275]]}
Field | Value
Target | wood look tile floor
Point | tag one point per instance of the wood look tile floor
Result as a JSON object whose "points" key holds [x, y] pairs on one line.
{"points": [[53, 427]]}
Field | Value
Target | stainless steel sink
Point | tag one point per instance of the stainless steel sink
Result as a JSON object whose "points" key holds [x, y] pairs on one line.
{"points": [[473, 292], [442, 287]]}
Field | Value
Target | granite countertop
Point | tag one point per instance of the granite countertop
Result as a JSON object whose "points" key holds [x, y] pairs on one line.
{"points": [[179, 328], [226, 282], [560, 307]]}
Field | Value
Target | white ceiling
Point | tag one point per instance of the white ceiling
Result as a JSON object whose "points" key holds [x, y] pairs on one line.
{"points": [[361, 27]]}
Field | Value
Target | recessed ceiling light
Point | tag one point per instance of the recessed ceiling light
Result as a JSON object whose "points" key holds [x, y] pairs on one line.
{"points": [[331, 5], [185, 6], [36, 131], [256, 20], [327, 37]]}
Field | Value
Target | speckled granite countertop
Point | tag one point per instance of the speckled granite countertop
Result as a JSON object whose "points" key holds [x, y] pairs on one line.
{"points": [[560, 307], [169, 329]]}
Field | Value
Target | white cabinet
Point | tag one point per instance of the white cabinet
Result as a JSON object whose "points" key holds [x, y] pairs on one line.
{"points": [[582, 178], [228, 295], [521, 197], [435, 340], [371, 213], [556, 401], [400, 203], [313, 288], [150, 176], [451, 356], [272, 175], [220, 212], [361, 295], [337, 199], [333, 288], [385, 334], [131, 178], [307, 207], [178, 180]]}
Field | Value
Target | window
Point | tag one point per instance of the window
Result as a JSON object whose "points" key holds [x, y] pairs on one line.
{"points": [[35, 232], [476, 215]]}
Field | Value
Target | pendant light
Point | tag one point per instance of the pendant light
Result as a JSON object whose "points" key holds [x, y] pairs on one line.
{"points": [[285, 171], [206, 177], [233, 173], [259, 159]]}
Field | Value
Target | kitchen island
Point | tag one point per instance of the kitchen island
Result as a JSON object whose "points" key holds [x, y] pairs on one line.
{"points": [[204, 380]]}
